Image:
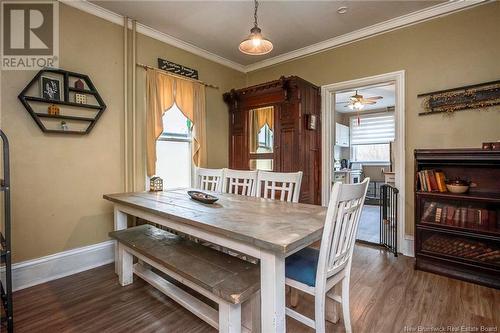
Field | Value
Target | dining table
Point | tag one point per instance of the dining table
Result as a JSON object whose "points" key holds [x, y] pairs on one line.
{"points": [[268, 230]]}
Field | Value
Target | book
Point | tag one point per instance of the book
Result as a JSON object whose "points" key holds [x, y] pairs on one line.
{"points": [[429, 208], [423, 184], [440, 179], [483, 222], [471, 217], [427, 180], [492, 220], [463, 217], [450, 212], [432, 181], [437, 216]]}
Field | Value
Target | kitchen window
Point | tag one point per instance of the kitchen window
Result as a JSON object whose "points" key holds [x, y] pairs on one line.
{"points": [[173, 150], [371, 137]]}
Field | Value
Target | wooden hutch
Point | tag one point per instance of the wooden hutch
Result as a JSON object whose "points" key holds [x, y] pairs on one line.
{"points": [[276, 126], [458, 235]]}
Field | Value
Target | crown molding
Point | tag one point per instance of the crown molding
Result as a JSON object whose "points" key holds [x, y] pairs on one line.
{"points": [[373, 30], [367, 32], [113, 17]]}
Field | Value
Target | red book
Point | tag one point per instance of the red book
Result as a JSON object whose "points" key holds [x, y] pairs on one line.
{"points": [[449, 215], [484, 222], [433, 182], [492, 220], [471, 213]]}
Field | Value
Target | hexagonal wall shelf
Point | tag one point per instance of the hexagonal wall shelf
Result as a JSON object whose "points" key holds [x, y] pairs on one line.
{"points": [[62, 102]]}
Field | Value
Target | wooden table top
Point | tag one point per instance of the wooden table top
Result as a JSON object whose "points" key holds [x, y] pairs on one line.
{"points": [[272, 225]]}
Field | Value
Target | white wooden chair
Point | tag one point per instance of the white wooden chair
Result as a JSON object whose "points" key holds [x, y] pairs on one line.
{"points": [[209, 179], [288, 184], [317, 272], [239, 182]]}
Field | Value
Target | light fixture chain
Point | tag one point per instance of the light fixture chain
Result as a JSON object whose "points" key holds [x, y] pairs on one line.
{"points": [[255, 13]]}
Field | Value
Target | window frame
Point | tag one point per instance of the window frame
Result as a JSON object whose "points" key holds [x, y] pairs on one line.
{"points": [[176, 137]]}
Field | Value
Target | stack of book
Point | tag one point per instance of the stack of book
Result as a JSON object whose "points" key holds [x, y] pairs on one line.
{"points": [[464, 217], [431, 181], [465, 248]]}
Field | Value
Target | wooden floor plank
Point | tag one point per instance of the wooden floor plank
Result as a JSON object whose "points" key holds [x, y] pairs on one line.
{"points": [[387, 295]]}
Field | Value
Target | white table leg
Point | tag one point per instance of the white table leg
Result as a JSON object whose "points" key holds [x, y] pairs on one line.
{"points": [[120, 223], [272, 275]]}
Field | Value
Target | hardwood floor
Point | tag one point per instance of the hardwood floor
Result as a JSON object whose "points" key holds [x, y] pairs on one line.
{"points": [[387, 295]]}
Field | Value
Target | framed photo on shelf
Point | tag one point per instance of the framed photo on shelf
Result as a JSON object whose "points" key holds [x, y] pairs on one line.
{"points": [[50, 88]]}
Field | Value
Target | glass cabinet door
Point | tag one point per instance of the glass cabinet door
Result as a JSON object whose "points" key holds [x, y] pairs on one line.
{"points": [[261, 138]]}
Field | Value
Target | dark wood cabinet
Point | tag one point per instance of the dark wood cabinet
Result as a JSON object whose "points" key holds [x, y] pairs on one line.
{"points": [[458, 235], [294, 133]]}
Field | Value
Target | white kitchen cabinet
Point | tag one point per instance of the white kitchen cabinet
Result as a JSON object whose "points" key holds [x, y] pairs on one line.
{"points": [[341, 135]]}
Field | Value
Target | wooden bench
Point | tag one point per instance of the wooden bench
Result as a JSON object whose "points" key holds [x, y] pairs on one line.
{"points": [[230, 282]]}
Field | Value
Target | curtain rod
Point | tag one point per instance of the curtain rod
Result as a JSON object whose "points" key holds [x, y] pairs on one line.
{"points": [[177, 76]]}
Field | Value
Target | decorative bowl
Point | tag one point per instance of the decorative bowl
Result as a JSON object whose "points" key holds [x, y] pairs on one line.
{"points": [[202, 197], [458, 185]]}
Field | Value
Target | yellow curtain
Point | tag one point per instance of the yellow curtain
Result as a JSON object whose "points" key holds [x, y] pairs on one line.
{"points": [[159, 98], [189, 97], [265, 115], [184, 97], [199, 128], [258, 118]]}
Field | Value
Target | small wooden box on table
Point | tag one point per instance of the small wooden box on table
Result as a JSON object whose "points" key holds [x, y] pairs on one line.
{"points": [[224, 279], [458, 235]]}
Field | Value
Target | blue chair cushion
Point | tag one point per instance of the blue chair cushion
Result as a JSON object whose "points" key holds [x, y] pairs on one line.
{"points": [[302, 265]]}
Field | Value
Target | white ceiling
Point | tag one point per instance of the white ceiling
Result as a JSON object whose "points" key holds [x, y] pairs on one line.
{"points": [[388, 92], [219, 26]]}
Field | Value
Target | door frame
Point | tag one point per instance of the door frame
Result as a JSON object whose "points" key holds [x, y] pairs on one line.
{"points": [[328, 139]]}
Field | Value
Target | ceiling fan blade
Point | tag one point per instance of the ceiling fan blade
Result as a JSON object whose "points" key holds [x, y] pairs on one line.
{"points": [[369, 102], [374, 97]]}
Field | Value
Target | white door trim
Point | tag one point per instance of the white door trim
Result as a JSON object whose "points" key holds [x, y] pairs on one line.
{"points": [[327, 141]]}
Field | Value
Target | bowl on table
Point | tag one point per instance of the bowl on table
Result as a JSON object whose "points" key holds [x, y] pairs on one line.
{"points": [[202, 197]]}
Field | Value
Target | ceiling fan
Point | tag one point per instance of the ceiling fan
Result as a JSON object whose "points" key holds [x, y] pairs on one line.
{"points": [[357, 101]]}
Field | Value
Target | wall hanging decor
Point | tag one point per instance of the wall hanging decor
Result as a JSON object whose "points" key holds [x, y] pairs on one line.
{"points": [[74, 103], [475, 96], [177, 69]]}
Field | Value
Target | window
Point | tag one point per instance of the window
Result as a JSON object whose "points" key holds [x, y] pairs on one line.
{"points": [[265, 137], [370, 139], [173, 150]]}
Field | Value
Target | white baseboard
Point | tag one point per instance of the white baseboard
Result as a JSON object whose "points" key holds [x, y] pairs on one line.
{"points": [[32, 272], [407, 248]]}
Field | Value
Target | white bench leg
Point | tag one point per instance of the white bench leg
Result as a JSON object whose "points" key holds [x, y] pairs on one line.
{"points": [[229, 318], [125, 266]]}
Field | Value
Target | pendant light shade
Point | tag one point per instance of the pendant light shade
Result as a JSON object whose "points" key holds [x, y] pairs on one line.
{"points": [[256, 44]]}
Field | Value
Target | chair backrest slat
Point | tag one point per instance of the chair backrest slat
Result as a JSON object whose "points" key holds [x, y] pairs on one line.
{"points": [[209, 179], [341, 226], [286, 184], [239, 182]]}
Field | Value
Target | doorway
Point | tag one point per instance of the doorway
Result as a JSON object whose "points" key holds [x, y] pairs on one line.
{"points": [[363, 126]]}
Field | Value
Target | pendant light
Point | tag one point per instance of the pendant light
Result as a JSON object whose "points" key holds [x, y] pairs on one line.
{"points": [[255, 44]]}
